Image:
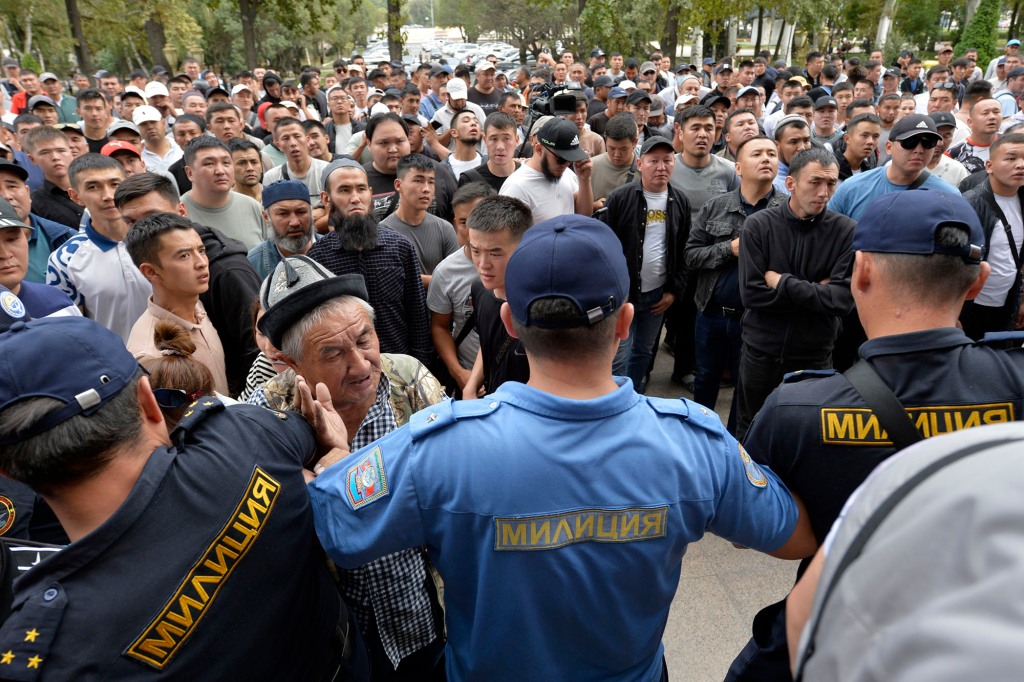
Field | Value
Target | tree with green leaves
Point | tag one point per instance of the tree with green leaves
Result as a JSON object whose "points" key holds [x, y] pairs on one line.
{"points": [[980, 33]]}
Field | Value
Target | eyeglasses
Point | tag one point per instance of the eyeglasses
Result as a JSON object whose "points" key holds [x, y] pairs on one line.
{"points": [[912, 142], [173, 398], [945, 86]]}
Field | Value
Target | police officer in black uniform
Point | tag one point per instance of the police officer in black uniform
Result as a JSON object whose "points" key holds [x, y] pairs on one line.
{"points": [[918, 257], [192, 554]]}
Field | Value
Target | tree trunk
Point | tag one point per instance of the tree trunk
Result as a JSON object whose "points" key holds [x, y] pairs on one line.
{"points": [[395, 28], [884, 24], [156, 39], [972, 7], [760, 29], [81, 48], [27, 47], [248, 10], [1013, 19], [778, 43], [670, 36], [734, 25]]}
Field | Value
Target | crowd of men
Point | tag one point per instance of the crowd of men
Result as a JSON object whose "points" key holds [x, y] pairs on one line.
{"points": [[364, 243]]}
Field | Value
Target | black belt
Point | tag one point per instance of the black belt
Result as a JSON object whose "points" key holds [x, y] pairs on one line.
{"points": [[715, 309]]}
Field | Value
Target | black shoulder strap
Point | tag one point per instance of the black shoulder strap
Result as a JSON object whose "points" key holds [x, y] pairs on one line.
{"points": [[921, 179], [881, 513], [886, 406], [469, 325]]}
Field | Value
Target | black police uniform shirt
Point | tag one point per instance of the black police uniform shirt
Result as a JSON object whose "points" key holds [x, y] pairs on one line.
{"points": [[503, 356], [209, 570], [817, 434]]}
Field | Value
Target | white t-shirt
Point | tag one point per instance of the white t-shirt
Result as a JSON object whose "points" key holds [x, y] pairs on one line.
{"points": [[459, 167], [653, 268], [950, 170], [1000, 259], [545, 198]]}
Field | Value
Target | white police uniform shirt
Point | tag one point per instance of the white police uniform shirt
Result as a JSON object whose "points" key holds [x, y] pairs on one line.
{"points": [[529, 504], [98, 274]]}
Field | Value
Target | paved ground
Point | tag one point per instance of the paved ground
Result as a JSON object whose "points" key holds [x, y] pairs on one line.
{"points": [[721, 587]]}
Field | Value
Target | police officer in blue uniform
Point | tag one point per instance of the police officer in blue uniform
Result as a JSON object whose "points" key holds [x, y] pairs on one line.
{"points": [[192, 554], [918, 257], [557, 512]]}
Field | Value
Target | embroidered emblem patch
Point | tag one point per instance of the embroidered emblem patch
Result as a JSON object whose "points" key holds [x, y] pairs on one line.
{"points": [[12, 305], [7, 514], [754, 473], [367, 481]]}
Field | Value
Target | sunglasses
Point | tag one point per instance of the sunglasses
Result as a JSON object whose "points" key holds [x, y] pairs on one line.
{"points": [[912, 142], [173, 398], [945, 86]]}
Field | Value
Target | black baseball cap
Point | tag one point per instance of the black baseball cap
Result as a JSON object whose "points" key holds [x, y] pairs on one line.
{"points": [[10, 167], [943, 119], [562, 137], [638, 95], [912, 125], [713, 98], [825, 101], [603, 82], [655, 141]]}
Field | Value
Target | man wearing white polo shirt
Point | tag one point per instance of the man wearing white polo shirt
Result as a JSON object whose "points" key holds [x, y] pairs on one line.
{"points": [[93, 268], [159, 152]]}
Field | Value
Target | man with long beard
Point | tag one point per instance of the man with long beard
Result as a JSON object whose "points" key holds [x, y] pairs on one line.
{"points": [[385, 259], [289, 213]]}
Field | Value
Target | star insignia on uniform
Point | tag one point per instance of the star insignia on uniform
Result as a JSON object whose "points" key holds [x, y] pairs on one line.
{"points": [[207, 403], [194, 403], [281, 415], [34, 662], [187, 414], [30, 635], [7, 657], [703, 410], [432, 417]]}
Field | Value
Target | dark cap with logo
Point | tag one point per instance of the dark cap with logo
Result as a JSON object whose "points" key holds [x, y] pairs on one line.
{"points": [[826, 101], [943, 119], [562, 137], [907, 222], [573, 257], [911, 125]]}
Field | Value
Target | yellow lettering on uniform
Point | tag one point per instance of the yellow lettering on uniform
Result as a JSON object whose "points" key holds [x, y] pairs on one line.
{"points": [[613, 531], [563, 525], [584, 525], [973, 418], [513, 535], [262, 489], [185, 603], [998, 416], [630, 520], [868, 426], [840, 426], [162, 638], [652, 524], [222, 554], [538, 530], [197, 585]]}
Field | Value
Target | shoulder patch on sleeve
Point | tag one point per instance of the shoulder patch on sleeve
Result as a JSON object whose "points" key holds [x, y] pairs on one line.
{"points": [[366, 481], [802, 374], [447, 412], [755, 476]]}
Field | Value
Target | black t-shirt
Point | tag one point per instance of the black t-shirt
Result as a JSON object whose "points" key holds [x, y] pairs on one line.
{"points": [[489, 103], [503, 356], [482, 174], [595, 107], [598, 122], [96, 145], [385, 198]]}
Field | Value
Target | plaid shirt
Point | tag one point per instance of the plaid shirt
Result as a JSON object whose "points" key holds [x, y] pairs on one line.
{"points": [[392, 273], [390, 590]]}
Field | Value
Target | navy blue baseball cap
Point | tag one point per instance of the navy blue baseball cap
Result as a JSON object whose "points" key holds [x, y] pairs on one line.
{"points": [[283, 190], [906, 222], [573, 257], [102, 366]]}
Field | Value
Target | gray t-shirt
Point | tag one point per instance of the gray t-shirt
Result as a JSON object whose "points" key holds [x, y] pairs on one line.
{"points": [[605, 177], [434, 239], [311, 179], [701, 185], [449, 294], [241, 218]]}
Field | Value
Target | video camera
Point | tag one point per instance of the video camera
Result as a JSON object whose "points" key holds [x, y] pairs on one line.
{"points": [[552, 100]]}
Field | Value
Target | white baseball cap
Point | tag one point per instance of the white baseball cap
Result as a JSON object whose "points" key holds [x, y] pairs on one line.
{"points": [[484, 65], [155, 89], [239, 88], [457, 89], [145, 114]]}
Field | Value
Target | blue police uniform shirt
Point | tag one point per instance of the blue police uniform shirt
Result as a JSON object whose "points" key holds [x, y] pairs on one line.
{"points": [[819, 436], [558, 526], [209, 570]]}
